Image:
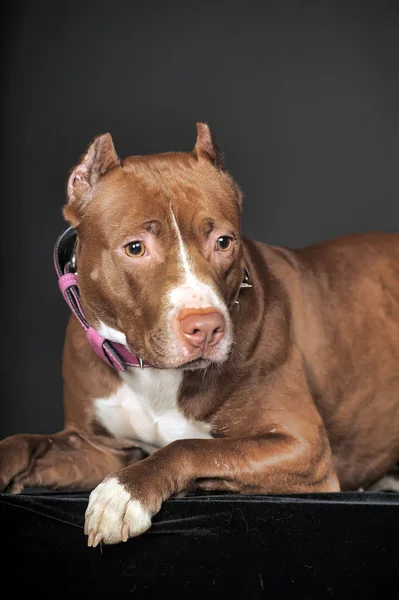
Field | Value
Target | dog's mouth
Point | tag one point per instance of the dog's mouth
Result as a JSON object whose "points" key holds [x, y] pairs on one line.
{"points": [[161, 362], [195, 364], [158, 353]]}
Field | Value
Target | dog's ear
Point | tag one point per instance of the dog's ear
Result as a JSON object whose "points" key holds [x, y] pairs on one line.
{"points": [[84, 177], [206, 147]]}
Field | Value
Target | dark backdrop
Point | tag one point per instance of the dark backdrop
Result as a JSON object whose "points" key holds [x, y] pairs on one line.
{"points": [[303, 99]]}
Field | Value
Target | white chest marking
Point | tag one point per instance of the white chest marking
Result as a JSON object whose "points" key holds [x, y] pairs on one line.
{"points": [[145, 408]]}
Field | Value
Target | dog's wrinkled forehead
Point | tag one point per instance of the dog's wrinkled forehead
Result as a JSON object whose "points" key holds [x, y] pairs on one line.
{"points": [[159, 192], [143, 186]]}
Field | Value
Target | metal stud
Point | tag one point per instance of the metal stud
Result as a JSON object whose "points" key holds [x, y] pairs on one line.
{"points": [[245, 279], [72, 262]]}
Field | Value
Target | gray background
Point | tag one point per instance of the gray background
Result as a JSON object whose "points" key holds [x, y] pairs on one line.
{"points": [[303, 99]]}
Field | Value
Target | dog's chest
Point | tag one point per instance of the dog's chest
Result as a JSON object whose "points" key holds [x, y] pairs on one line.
{"points": [[145, 408]]}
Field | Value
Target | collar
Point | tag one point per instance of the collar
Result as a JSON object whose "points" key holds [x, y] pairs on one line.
{"points": [[114, 354]]}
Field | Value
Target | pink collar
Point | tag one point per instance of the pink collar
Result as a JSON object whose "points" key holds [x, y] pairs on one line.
{"points": [[116, 355]]}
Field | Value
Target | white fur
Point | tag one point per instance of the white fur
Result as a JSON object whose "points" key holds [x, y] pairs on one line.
{"points": [[388, 483], [111, 334], [113, 515], [193, 293], [184, 257], [145, 408]]}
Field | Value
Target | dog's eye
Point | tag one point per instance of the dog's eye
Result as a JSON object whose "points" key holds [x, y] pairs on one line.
{"points": [[224, 243], [135, 249]]}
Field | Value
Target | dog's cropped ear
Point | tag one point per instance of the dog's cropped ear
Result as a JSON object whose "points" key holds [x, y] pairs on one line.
{"points": [[206, 147], [84, 177]]}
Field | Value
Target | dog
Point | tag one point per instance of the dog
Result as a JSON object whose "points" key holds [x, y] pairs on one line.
{"points": [[197, 359]]}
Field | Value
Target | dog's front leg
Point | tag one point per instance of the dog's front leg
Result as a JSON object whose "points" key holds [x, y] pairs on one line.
{"points": [[68, 459], [123, 504]]}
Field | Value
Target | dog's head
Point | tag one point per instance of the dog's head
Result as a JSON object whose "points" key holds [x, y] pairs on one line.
{"points": [[159, 250]]}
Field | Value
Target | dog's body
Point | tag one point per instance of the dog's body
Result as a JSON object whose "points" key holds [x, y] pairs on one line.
{"points": [[291, 385]]}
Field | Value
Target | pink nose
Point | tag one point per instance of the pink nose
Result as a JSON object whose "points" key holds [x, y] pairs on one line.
{"points": [[202, 329]]}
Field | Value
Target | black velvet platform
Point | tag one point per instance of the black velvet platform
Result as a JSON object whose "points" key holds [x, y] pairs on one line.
{"points": [[209, 546]]}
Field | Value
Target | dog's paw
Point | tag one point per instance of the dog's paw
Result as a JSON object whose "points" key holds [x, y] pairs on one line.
{"points": [[388, 483], [113, 516]]}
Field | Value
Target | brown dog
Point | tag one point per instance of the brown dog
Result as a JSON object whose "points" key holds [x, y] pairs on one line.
{"points": [[271, 370]]}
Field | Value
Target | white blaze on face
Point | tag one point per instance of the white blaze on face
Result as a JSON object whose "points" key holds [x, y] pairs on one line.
{"points": [[194, 293]]}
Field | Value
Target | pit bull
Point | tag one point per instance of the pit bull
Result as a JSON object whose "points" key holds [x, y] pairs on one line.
{"points": [[197, 359]]}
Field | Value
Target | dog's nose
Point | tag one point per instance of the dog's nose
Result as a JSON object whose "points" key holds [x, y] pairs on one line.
{"points": [[202, 329]]}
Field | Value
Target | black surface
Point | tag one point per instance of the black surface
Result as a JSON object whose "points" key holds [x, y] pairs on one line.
{"points": [[201, 546]]}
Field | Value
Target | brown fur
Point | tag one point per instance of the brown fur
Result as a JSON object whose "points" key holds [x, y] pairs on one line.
{"points": [[308, 398]]}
